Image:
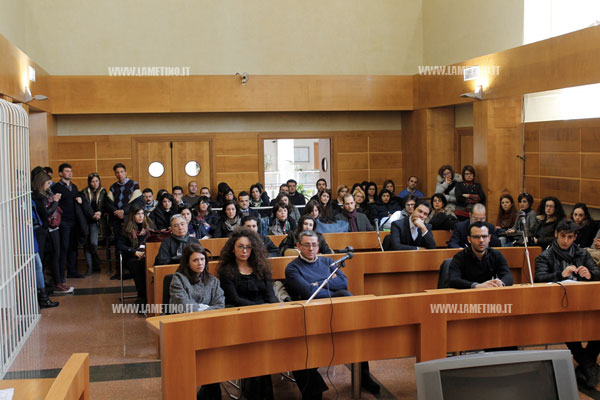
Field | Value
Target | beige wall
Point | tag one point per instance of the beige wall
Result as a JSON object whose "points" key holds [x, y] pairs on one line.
{"points": [[463, 115], [221, 37], [112, 124], [458, 30], [13, 22]]}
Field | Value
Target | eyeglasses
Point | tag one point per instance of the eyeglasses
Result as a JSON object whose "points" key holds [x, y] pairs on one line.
{"points": [[310, 245], [479, 237], [243, 248]]}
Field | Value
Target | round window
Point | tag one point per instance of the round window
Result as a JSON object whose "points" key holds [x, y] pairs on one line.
{"points": [[156, 169], [192, 168]]}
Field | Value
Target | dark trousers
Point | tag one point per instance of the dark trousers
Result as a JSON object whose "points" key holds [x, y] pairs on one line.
{"points": [[310, 383], [68, 246], [52, 257], [585, 356], [137, 268], [258, 388], [210, 392]]}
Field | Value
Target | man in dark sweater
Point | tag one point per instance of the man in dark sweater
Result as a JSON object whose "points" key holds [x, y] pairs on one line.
{"points": [[461, 229], [122, 194], [296, 198], [69, 195], [479, 266], [302, 278], [563, 260]]}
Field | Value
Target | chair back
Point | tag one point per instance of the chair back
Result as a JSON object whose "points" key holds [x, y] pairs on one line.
{"points": [[166, 287], [444, 276]]}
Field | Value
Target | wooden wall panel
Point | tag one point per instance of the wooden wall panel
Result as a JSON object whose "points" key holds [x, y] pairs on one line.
{"points": [[385, 160], [75, 150], [590, 166], [567, 165], [567, 190], [590, 193], [532, 139], [590, 139], [352, 161], [38, 139], [235, 163], [532, 185], [559, 140], [114, 147], [532, 164]]}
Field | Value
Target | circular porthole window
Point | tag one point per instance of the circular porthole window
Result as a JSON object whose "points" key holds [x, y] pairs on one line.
{"points": [[156, 169], [324, 165], [192, 168]]}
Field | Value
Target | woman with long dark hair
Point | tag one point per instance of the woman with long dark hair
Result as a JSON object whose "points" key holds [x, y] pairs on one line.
{"points": [[371, 193], [204, 215], [229, 219], [195, 229], [306, 223], [507, 213], [326, 206], [245, 275], [282, 224], [525, 205], [163, 212], [550, 213], [131, 243], [440, 217], [95, 194], [293, 212], [586, 226]]}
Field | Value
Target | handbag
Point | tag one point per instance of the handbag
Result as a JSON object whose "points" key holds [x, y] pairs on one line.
{"points": [[55, 218]]}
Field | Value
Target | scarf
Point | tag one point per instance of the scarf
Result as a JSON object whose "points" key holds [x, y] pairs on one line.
{"points": [[182, 242], [256, 203], [285, 226], [567, 257], [230, 224], [352, 220], [138, 236]]}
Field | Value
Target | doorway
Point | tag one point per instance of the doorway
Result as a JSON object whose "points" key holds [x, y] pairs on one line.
{"points": [[304, 160], [164, 164]]}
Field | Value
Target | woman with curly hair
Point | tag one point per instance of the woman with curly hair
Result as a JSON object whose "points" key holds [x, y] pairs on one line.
{"points": [[550, 213], [446, 185], [245, 275]]}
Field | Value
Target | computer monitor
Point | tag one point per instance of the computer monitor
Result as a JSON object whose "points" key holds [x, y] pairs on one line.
{"points": [[541, 374]]}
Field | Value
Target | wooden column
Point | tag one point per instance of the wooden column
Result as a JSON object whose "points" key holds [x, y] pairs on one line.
{"points": [[496, 144], [42, 126], [427, 144]]}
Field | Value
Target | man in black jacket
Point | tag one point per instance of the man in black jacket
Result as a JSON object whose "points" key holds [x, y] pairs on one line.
{"points": [[461, 229], [296, 198], [251, 221], [413, 233], [171, 248], [479, 266], [563, 260]]}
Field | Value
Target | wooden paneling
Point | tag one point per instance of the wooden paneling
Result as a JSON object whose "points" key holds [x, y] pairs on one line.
{"points": [[385, 160], [590, 166], [114, 147], [74, 150], [566, 190], [590, 138], [235, 145], [385, 141], [532, 164], [350, 177], [352, 143], [352, 161], [559, 140], [590, 192], [236, 163], [199, 151], [38, 138], [532, 186], [532, 139], [238, 181], [149, 152], [567, 165]]}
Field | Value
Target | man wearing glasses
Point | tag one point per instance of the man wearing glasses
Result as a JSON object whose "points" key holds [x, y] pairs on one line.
{"points": [[461, 229], [479, 266], [302, 277]]}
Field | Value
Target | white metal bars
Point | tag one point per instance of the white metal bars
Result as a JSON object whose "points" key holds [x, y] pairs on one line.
{"points": [[18, 304]]}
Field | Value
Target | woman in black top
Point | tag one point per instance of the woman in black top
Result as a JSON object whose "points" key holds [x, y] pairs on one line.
{"points": [[586, 226], [195, 228], [306, 223], [550, 213], [468, 193], [386, 206], [245, 275], [440, 217], [371, 193], [326, 206], [95, 194], [205, 216], [229, 219], [163, 212], [131, 243]]}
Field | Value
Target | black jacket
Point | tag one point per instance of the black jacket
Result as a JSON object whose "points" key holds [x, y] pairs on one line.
{"points": [[171, 249], [401, 238], [549, 264], [460, 234], [297, 199], [466, 269]]}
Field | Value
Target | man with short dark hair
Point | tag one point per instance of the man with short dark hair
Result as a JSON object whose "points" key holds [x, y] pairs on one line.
{"points": [[479, 266], [69, 198], [296, 197], [564, 260], [252, 222], [283, 188], [171, 248], [177, 197], [460, 233], [411, 188], [303, 276], [149, 202], [357, 222], [321, 185], [122, 195], [413, 233], [244, 203], [192, 197]]}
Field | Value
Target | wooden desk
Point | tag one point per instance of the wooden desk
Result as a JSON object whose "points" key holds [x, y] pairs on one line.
{"points": [[251, 341], [72, 383]]}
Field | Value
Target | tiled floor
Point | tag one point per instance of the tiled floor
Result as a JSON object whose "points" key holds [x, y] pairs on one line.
{"points": [[123, 353]]}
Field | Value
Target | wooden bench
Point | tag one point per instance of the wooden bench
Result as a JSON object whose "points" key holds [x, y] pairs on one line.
{"points": [[365, 328], [72, 383]]}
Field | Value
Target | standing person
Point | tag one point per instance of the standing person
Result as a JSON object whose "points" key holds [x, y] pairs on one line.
{"points": [[68, 226], [131, 243], [95, 195], [296, 197], [468, 193], [411, 188], [245, 275], [42, 295], [192, 197], [563, 260], [446, 185], [121, 195]]}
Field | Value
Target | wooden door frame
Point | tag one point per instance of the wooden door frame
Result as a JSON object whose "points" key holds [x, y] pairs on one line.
{"points": [[459, 133]]}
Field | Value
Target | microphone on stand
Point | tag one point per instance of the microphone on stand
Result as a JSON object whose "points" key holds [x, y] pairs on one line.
{"points": [[337, 264], [377, 232], [522, 215], [349, 250]]}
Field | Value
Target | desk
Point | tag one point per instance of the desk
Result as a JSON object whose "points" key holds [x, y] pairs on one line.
{"points": [[250, 341]]}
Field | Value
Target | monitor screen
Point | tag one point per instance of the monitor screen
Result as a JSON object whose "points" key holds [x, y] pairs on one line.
{"points": [[525, 380]]}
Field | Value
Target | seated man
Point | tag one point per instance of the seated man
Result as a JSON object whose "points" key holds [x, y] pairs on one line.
{"points": [[411, 188], [177, 197], [479, 266], [321, 185], [562, 260], [251, 222], [461, 229], [283, 188], [296, 197], [149, 202], [302, 278], [244, 204], [171, 248], [357, 222], [413, 233]]}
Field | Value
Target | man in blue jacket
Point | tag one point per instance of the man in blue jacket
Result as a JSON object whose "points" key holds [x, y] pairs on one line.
{"points": [[459, 239]]}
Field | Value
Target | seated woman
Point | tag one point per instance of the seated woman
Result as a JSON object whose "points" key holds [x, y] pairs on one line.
{"points": [[338, 204], [195, 228], [229, 219], [371, 192], [586, 226], [255, 197], [468, 193], [293, 212], [550, 213], [507, 214], [313, 208], [385, 207], [228, 195], [196, 289], [446, 185], [245, 275], [327, 214], [361, 204], [525, 203], [205, 216], [391, 186], [440, 217], [306, 223], [131, 243], [281, 224], [163, 212]]}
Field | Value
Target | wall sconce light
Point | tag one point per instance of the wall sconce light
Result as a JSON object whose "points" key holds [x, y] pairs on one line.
{"points": [[477, 94], [29, 98], [243, 76]]}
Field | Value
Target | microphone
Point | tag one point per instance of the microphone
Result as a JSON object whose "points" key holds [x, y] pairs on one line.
{"points": [[376, 220], [348, 256]]}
